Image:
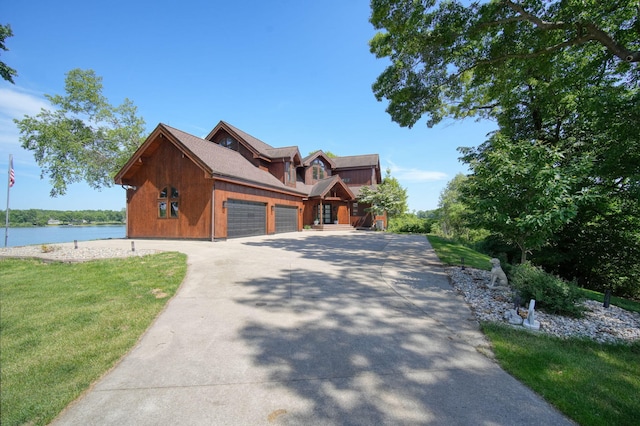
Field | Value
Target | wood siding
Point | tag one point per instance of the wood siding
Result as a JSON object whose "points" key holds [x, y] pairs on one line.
{"points": [[167, 167], [357, 177]]}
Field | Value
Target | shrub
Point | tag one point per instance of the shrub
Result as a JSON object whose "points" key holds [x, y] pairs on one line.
{"points": [[410, 224], [552, 294]]}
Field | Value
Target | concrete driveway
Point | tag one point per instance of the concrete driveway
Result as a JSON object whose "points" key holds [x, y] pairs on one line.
{"points": [[355, 328]]}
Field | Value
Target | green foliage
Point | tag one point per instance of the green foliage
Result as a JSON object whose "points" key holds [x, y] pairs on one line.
{"points": [[521, 190], [453, 214], [38, 217], [453, 59], [63, 325], [389, 197], [601, 247], [410, 223], [453, 253], [552, 294], [327, 153], [6, 72], [84, 138], [495, 246], [561, 178], [591, 383]]}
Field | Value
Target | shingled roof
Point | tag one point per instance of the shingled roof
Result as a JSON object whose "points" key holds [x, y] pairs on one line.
{"points": [[368, 160], [225, 162], [321, 187]]}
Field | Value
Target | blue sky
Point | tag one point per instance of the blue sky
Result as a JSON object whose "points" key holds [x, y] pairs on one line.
{"points": [[289, 72]]}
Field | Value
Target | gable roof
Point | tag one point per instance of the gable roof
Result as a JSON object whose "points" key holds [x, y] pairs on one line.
{"points": [[322, 187], [250, 142], [211, 157], [307, 160]]}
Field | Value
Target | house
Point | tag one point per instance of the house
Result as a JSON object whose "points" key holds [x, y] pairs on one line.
{"points": [[231, 184]]}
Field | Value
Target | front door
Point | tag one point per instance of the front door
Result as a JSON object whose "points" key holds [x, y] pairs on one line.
{"points": [[326, 213]]}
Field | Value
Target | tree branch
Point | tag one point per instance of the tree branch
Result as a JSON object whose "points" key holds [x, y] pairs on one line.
{"points": [[593, 33]]}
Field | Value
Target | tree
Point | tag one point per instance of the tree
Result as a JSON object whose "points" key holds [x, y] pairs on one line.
{"points": [[448, 59], [561, 79], [525, 202], [84, 138], [6, 72], [387, 197], [453, 212], [327, 153]]}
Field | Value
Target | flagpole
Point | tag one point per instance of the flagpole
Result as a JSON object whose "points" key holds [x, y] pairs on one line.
{"points": [[6, 218]]}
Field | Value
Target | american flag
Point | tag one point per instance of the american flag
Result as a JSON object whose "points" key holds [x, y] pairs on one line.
{"points": [[12, 175]]}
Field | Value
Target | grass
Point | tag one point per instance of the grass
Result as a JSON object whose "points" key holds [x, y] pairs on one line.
{"points": [[452, 253], [63, 325], [592, 383], [629, 305]]}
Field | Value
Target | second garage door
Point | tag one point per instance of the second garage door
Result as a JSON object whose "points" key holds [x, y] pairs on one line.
{"points": [[246, 218], [286, 219]]}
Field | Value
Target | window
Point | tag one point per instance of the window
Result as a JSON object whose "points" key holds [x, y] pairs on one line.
{"points": [[318, 169], [228, 142], [168, 200], [287, 172]]}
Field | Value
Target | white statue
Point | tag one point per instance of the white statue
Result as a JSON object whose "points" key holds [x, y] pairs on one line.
{"points": [[497, 274], [531, 322], [513, 317]]}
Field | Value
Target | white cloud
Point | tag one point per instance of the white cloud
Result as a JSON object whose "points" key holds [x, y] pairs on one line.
{"points": [[415, 175], [15, 103]]}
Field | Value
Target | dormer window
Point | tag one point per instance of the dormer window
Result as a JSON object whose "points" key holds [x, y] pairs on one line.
{"points": [[318, 168], [228, 142]]}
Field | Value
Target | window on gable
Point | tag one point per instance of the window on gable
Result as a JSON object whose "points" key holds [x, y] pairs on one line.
{"points": [[228, 142], [168, 201], [318, 167]]}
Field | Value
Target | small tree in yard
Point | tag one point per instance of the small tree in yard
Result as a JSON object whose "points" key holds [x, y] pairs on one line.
{"points": [[388, 197]]}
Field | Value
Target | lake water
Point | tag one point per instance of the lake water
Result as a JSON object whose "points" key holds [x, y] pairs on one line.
{"points": [[60, 234]]}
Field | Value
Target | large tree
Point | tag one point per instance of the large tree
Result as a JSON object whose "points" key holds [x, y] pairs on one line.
{"points": [[84, 138], [562, 81], [450, 59]]}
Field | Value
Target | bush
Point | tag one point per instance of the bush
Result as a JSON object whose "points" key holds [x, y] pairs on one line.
{"points": [[552, 294], [410, 224]]}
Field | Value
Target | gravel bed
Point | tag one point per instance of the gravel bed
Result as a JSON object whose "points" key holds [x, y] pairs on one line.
{"points": [[610, 325], [67, 253]]}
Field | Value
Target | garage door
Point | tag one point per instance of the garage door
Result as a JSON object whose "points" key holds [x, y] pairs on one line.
{"points": [[245, 218], [286, 219]]}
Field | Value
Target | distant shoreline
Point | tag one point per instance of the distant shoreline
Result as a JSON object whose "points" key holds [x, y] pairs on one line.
{"points": [[30, 225]]}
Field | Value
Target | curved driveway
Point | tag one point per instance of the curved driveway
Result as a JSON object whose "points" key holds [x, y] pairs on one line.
{"points": [[355, 328]]}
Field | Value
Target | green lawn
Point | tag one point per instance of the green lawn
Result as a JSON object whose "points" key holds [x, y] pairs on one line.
{"points": [[63, 325], [452, 253], [592, 383]]}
